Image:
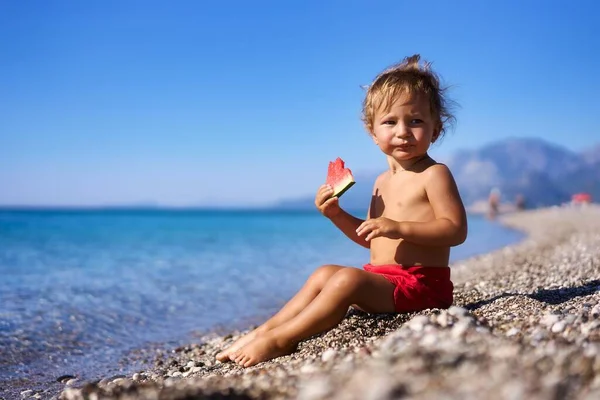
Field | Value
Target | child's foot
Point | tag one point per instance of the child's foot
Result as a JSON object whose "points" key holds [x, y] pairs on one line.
{"points": [[262, 348], [225, 355]]}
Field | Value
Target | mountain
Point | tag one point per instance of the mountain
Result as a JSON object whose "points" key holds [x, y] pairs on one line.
{"points": [[544, 173], [592, 156]]}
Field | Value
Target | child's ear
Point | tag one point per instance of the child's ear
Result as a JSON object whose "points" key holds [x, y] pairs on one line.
{"points": [[370, 132], [436, 133], [375, 139]]}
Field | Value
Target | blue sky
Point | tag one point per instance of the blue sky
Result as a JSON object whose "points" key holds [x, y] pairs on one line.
{"points": [[238, 102]]}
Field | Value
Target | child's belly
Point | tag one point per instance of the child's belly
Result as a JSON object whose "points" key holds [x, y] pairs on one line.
{"points": [[386, 251]]}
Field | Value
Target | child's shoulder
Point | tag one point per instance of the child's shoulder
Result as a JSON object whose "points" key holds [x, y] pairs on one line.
{"points": [[437, 173], [382, 177], [436, 167]]}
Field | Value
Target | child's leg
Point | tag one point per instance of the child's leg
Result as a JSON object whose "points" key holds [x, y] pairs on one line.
{"points": [[372, 293], [314, 284]]}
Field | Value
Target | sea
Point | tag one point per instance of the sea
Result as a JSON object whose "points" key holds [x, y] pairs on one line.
{"points": [[80, 289]]}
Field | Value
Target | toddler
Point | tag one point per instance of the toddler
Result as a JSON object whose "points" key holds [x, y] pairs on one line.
{"points": [[416, 215]]}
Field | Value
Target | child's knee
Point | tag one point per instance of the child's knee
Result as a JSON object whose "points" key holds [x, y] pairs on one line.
{"points": [[323, 274], [347, 280]]}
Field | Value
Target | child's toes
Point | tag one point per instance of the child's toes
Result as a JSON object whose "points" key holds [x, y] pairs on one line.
{"points": [[238, 358]]}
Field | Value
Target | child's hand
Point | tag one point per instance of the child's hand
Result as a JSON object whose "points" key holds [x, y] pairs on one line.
{"points": [[376, 227], [327, 205]]}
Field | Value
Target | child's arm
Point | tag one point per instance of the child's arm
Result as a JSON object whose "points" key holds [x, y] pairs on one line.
{"points": [[449, 228], [330, 208], [348, 224]]}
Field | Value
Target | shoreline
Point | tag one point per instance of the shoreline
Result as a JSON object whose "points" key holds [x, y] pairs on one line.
{"points": [[478, 336]]}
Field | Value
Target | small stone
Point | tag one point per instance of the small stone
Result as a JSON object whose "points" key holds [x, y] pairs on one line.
{"points": [[308, 368], [512, 332], [460, 328], [196, 369], [170, 381], [429, 340], [418, 323], [318, 388], [539, 334], [103, 382], [328, 354], [443, 319], [71, 394], [26, 393], [559, 327], [512, 390], [589, 327], [505, 352], [458, 312], [64, 378], [549, 320], [570, 318], [592, 350]]}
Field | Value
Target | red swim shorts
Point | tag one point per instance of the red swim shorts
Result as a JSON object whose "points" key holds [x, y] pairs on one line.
{"points": [[418, 287]]}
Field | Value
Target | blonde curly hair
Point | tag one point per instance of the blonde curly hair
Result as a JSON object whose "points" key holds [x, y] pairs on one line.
{"points": [[408, 77]]}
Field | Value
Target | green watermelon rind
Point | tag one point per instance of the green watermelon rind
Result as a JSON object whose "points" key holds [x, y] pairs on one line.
{"points": [[340, 189], [343, 190]]}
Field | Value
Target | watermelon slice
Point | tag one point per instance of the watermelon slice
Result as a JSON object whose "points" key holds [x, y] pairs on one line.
{"points": [[338, 177]]}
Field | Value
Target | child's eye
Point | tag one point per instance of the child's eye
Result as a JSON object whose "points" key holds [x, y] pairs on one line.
{"points": [[389, 122], [416, 121]]}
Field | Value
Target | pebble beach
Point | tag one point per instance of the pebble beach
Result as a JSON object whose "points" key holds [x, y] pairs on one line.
{"points": [[525, 324]]}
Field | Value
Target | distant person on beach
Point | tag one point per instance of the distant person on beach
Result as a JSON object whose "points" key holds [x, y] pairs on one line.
{"points": [[494, 203], [520, 202], [416, 215]]}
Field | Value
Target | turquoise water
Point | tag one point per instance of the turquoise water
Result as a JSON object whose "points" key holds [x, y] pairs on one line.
{"points": [[79, 288]]}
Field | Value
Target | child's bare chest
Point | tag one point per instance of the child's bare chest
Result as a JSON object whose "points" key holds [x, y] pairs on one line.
{"points": [[401, 198]]}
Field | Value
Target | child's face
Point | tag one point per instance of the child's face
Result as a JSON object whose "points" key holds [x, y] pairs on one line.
{"points": [[407, 129]]}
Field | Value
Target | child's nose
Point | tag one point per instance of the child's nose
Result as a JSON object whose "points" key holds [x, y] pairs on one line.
{"points": [[402, 131]]}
